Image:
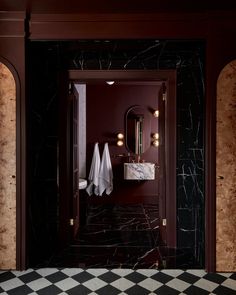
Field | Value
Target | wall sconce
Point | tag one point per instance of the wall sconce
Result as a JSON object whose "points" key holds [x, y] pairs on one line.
{"points": [[120, 139], [156, 113], [155, 139]]}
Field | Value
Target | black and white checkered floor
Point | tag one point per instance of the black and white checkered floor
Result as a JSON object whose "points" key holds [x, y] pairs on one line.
{"points": [[53, 281]]}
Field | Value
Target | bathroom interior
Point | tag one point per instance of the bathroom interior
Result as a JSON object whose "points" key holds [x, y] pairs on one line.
{"points": [[122, 229]]}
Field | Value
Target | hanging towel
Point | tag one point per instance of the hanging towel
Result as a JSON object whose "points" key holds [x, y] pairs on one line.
{"points": [[105, 182], [94, 172]]}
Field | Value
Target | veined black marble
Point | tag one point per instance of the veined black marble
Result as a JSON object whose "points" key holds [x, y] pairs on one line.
{"points": [[46, 58], [111, 239]]}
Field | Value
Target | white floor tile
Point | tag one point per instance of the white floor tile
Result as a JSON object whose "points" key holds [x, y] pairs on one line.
{"points": [[178, 285], [72, 271], [97, 271], [122, 284], [229, 283], [94, 284], [150, 284], [46, 271], [66, 284], [206, 285], [122, 272], [24, 272], [225, 274], [172, 272], [11, 284], [39, 284], [147, 272], [197, 272]]}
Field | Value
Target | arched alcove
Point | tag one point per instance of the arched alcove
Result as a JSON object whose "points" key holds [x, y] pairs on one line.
{"points": [[7, 169], [226, 170]]}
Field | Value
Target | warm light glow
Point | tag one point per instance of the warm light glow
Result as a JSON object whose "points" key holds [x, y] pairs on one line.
{"points": [[155, 136], [120, 135], [156, 143], [156, 114], [110, 82], [120, 142]]}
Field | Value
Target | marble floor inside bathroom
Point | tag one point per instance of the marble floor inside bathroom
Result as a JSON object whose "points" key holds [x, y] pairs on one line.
{"points": [[121, 236]]}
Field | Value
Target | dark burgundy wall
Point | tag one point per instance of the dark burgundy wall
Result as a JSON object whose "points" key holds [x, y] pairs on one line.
{"points": [[106, 109]]}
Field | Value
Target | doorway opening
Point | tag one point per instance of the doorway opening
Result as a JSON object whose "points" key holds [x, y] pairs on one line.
{"points": [[133, 220]]}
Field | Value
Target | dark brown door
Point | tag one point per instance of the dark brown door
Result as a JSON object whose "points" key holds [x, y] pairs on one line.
{"points": [[74, 161], [68, 164], [162, 163]]}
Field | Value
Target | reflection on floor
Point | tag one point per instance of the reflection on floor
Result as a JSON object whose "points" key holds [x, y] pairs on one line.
{"points": [[116, 236]]}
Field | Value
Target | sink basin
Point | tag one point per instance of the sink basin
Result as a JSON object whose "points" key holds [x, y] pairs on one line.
{"points": [[139, 171], [82, 183]]}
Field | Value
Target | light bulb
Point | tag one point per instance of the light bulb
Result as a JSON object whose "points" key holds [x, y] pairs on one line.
{"points": [[120, 142], [156, 143], [155, 136], [156, 113], [120, 135]]}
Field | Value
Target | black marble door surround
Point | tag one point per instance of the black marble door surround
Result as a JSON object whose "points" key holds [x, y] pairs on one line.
{"points": [[46, 58]]}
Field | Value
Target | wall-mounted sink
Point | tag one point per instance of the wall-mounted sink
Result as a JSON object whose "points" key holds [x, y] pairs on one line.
{"points": [[139, 171], [82, 183]]}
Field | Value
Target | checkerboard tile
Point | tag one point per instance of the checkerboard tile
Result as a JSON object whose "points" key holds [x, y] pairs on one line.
{"points": [[74, 281]]}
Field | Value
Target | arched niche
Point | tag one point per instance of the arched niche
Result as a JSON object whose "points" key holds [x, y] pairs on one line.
{"points": [[226, 169], [7, 168]]}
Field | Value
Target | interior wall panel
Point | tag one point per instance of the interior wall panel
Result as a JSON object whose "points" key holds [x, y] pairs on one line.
{"points": [[7, 169], [225, 170]]}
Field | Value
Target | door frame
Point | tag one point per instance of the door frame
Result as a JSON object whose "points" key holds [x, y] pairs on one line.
{"points": [[169, 77]]}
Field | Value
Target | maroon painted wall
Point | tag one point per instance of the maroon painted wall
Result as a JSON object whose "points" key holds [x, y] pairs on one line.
{"points": [[106, 109]]}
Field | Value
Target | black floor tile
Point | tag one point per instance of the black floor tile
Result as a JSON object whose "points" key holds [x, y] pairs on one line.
{"points": [[161, 277], [6, 276], [29, 277], [221, 290], [22, 290], [164, 290], [107, 290], [56, 277], [214, 277], [233, 276], [109, 277], [50, 290], [82, 277], [189, 278], [79, 290], [137, 290], [193, 290], [135, 277]]}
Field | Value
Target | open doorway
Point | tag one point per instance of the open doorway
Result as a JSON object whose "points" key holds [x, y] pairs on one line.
{"points": [[133, 225], [130, 225]]}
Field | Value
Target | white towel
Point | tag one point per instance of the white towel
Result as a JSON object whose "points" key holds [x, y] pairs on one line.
{"points": [[94, 172], [105, 182]]}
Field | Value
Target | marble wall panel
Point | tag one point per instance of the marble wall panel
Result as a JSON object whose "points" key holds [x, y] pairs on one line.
{"points": [[226, 170], [186, 56], [7, 169]]}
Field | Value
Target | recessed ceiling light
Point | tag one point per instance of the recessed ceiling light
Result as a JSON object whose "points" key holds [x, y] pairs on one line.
{"points": [[110, 82]]}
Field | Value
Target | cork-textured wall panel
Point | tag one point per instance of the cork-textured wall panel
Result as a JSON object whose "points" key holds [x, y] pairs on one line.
{"points": [[226, 170], [7, 169]]}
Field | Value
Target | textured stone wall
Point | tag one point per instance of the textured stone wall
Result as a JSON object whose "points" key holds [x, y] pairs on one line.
{"points": [[226, 170], [7, 169]]}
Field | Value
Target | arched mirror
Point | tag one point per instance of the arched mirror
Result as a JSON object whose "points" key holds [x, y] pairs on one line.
{"points": [[138, 126]]}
